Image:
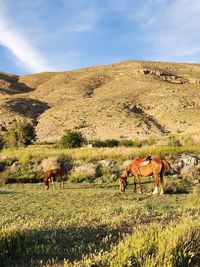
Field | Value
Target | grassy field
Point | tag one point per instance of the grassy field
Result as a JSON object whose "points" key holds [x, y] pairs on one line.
{"points": [[89, 154], [88, 225], [93, 224]]}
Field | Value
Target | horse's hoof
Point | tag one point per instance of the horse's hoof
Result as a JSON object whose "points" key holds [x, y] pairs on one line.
{"points": [[155, 191]]}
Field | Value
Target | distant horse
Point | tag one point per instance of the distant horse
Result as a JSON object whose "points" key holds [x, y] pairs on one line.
{"points": [[156, 167], [50, 175]]}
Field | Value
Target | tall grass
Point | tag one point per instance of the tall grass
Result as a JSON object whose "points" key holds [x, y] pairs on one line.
{"points": [[89, 154], [173, 246]]}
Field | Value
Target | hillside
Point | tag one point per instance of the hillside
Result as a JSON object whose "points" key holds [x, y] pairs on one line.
{"points": [[124, 100]]}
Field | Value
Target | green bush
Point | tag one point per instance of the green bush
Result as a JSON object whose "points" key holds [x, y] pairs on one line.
{"points": [[107, 174], [72, 139], [19, 135], [111, 142], [126, 143], [137, 143], [105, 143]]}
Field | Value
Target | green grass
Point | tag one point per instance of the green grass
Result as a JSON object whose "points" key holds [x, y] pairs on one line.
{"points": [[84, 222], [90, 154]]}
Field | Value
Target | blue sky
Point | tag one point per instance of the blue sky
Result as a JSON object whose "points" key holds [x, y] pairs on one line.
{"points": [[58, 35]]}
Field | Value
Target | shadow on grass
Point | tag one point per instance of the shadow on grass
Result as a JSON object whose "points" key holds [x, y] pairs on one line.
{"points": [[7, 193], [36, 246]]}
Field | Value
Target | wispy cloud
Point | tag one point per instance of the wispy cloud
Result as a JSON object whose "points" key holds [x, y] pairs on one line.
{"points": [[36, 31], [58, 35], [22, 50]]}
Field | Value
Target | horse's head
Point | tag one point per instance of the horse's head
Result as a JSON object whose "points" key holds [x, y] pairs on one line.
{"points": [[46, 182], [123, 183]]}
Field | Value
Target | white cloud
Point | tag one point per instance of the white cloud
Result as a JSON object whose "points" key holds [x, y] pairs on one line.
{"points": [[19, 46]]}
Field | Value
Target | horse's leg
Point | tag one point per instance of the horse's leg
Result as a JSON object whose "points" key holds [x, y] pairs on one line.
{"points": [[52, 182], [156, 189], [61, 182], [123, 184], [46, 184], [161, 183], [135, 184], [137, 181]]}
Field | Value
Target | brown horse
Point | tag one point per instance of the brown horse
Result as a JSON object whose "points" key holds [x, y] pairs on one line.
{"points": [[156, 167], [50, 175]]}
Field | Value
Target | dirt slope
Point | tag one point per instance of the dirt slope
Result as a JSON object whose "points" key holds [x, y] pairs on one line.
{"points": [[124, 100]]}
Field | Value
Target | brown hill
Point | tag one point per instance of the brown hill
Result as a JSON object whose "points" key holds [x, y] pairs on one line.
{"points": [[124, 100]]}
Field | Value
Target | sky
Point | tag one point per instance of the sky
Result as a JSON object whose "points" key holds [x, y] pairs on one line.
{"points": [[59, 35]]}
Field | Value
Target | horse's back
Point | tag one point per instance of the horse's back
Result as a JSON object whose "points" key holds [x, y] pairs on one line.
{"points": [[166, 164]]}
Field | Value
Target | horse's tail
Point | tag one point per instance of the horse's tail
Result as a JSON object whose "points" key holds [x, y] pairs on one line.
{"points": [[166, 165]]}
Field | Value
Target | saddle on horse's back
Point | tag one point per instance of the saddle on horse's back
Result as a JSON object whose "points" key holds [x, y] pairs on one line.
{"points": [[143, 161]]}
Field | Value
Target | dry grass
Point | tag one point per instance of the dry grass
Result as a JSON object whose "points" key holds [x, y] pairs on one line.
{"points": [[108, 101]]}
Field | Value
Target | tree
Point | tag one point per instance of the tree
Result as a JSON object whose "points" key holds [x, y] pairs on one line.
{"points": [[72, 139], [19, 135]]}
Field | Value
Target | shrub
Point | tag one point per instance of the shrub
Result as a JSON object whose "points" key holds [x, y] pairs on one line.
{"points": [[137, 143], [97, 143], [126, 143], [111, 142], [105, 143], [50, 163], [173, 141], [72, 139], [190, 173], [174, 187], [20, 135], [84, 172], [107, 174]]}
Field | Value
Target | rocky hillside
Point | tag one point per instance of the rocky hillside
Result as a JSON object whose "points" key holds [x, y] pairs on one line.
{"points": [[124, 100]]}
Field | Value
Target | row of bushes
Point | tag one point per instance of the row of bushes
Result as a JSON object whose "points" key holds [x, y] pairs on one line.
{"points": [[22, 134]]}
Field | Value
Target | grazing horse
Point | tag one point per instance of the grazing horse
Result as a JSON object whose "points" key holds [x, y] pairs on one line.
{"points": [[155, 167], [50, 175]]}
